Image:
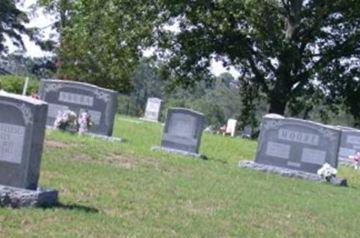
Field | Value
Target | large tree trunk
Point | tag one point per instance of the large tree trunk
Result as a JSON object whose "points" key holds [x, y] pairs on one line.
{"points": [[277, 106], [280, 94]]}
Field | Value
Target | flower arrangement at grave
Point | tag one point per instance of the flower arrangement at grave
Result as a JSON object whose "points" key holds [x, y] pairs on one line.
{"points": [[66, 120], [84, 122], [327, 172], [356, 159]]}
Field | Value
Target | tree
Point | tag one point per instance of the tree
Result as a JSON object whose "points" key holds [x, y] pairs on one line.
{"points": [[146, 83], [285, 48], [101, 40], [62, 8], [12, 22]]}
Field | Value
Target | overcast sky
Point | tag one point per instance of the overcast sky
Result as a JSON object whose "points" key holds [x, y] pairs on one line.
{"points": [[41, 20]]}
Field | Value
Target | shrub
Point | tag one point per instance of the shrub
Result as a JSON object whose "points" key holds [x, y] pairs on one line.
{"points": [[14, 84]]}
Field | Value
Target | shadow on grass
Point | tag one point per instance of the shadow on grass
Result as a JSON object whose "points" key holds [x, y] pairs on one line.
{"points": [[212, 158], [76, 207]]}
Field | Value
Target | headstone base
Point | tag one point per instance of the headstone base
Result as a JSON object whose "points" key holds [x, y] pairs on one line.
{"points": [[180, 152], [17, 197], [103, 137], [109, 138], [148, 120], [289, 172], [347, 162]]}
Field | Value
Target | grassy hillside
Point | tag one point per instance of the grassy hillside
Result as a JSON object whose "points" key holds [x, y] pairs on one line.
{"points": [[126, 190]]}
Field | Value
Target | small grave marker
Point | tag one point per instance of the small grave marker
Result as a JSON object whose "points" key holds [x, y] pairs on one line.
{"points": [[183, 131]]}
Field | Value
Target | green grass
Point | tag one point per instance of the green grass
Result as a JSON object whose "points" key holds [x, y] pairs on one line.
{"points": [[126, 190]]}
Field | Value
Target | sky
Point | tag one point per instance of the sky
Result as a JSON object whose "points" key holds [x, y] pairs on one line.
{"points": [[42, 20], [37, 19]]}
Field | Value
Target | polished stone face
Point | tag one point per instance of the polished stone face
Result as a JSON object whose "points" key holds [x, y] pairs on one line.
{"points": [[22, 129], [64, 95], [297, 144], [350, 143], [183, 130], [152, 111]]}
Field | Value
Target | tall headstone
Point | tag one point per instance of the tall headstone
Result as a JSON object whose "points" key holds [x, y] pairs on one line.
{"points": [[183, 131], [350, 143], [152, 111], [297, 144], [231, 127], [100, 103], [22, 130]]}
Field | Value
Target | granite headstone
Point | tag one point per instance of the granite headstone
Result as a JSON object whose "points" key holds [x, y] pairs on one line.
{"points": [[350, 143], [152, 111], [22, 130], [100, 103], [247, 132], [297, 144], [183, 130]]}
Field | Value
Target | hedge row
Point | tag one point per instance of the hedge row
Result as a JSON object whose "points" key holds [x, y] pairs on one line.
{"points": [[14, 84]]}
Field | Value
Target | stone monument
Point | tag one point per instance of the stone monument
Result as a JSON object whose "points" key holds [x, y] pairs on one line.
{"points": [[297, 147], [100, 103], [247, 132], [231, 127], [183, 131], [349, 145], [22, 130], [152, 111]]}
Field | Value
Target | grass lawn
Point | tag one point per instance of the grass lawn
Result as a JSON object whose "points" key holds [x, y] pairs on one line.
{"points": [[109, 189]]}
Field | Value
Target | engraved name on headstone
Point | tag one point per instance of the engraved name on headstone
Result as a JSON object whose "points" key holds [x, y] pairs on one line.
{"points": [[22, 129], [183, 130], [152, 111], [63, 95], [297, 144]]}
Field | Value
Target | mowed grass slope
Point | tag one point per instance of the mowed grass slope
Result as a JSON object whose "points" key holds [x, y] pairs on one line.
{"points": [[126, 190]]}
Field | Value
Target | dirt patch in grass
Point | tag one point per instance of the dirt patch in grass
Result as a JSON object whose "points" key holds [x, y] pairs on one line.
{"points": [[123, 161], [53, 144], [130, 161], [82, 157]]}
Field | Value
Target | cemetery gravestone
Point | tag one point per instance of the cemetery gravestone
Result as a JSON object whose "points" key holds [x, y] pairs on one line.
{"points": [[63, 95], [247, 133], [231, 127], [297, 144], [183, 131], [152, 111], [22, 130], [350, 143]]}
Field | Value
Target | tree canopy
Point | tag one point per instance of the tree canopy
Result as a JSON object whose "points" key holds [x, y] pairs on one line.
{"points": [[101, 39], [286, 49], [12, 22], [294, 53]]}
